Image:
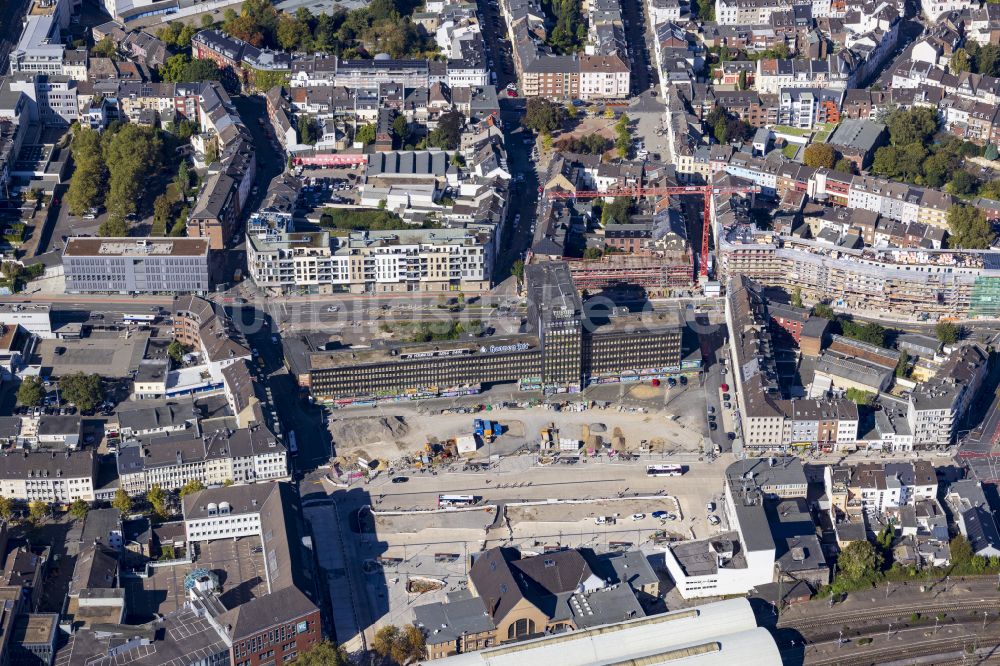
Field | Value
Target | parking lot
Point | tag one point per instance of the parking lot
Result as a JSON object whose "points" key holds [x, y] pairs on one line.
{"points": [[240, 570]]}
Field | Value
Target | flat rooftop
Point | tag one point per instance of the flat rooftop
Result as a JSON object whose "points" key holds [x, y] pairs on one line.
{"points": [[144, 247], [427, 350], [240, 570], [110, 355]]}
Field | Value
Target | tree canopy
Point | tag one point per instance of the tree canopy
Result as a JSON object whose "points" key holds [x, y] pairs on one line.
{"points": [[79, 509], [969, 228], [323, 654], [820, 155], [31, 391], [947, 332], [83, 390], [122, 502], [448, 133], [157, 498], [859, 561], [182, 68], [543, 116], [192, 486]]}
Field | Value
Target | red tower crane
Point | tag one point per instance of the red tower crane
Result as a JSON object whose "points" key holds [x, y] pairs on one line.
{"points": [[706, 192]]}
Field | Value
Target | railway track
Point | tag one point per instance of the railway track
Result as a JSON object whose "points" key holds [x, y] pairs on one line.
{"points": [[833, 619], [909, 649]]}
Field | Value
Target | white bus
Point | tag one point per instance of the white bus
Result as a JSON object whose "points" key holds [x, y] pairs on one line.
{"points": [[454, 501], [664, 470], [139, 318]]}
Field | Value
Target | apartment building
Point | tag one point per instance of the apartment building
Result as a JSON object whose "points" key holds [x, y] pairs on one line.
{"points": [[206, 328], [245, 455], [373, 261], [39, 49], [748, 12], [937, 405], [48, 476], [147, 265], [771, 422], [976, 520], [804, 108]]}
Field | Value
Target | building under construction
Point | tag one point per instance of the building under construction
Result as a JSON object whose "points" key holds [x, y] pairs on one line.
{"points": [[656, 274]]}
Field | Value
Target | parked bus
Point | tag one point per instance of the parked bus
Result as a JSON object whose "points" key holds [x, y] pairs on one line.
{"points": [[293, 447], [455, 501], [664, 470], [139, 319]]}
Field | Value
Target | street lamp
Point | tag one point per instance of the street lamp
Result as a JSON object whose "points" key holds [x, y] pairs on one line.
{"points": [[887, 634]]}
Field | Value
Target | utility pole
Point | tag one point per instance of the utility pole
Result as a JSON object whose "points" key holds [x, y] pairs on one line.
{"points": [[889, 632]]}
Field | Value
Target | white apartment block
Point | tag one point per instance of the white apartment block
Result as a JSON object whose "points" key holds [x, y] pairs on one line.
{"points": [[599, 82], [933, 9], [230, 512], [936, 406], [54, 477], [247, 455], [375, 261], [748, 12]]}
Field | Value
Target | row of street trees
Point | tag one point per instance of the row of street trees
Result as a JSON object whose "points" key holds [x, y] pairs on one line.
{"points": [[113, 169]]}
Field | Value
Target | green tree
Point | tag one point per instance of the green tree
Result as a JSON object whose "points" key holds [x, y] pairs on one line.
{"points": [[860, 397], [448, 133], [384, 639], [969, 228], [308, 132], [963, 183], [105, 48], [872, 333], [859, 561], [162, 207], [617, 212], [820, 155], [122, 502], [365, 134], [571, 111], [31, 391], [6, 508], [916, 125], [114, 226], [206, 21], [743, 79], [517, 269], [797, 297], [88, 182], [84, 391], [181, 68], [824, 310], [79, 509], [176, 351], [182, 181], [960, 62], [884, 539], [37, 511], [324, 653], [157, 499], [400, 128], [542, 116], [593, 253], [961, 551], [990, 152], [192, 486], [623, 137], [947, 332], [903, 364]]}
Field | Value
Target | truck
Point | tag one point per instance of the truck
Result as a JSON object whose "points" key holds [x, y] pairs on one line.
{"points": [[478, 428]]}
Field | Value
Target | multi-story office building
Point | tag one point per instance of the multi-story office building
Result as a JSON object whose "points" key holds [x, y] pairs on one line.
{"points": [[373, 261], [49, 476], [561, 352], [147, 265], [39, 49]]}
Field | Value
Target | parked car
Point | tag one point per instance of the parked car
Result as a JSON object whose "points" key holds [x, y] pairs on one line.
{"points": [[638, 516], [400, 479], [714, 519]]}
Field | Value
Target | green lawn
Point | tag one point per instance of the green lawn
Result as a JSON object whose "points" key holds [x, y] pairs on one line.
{"points": [[790, 151], [791, 131]]}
